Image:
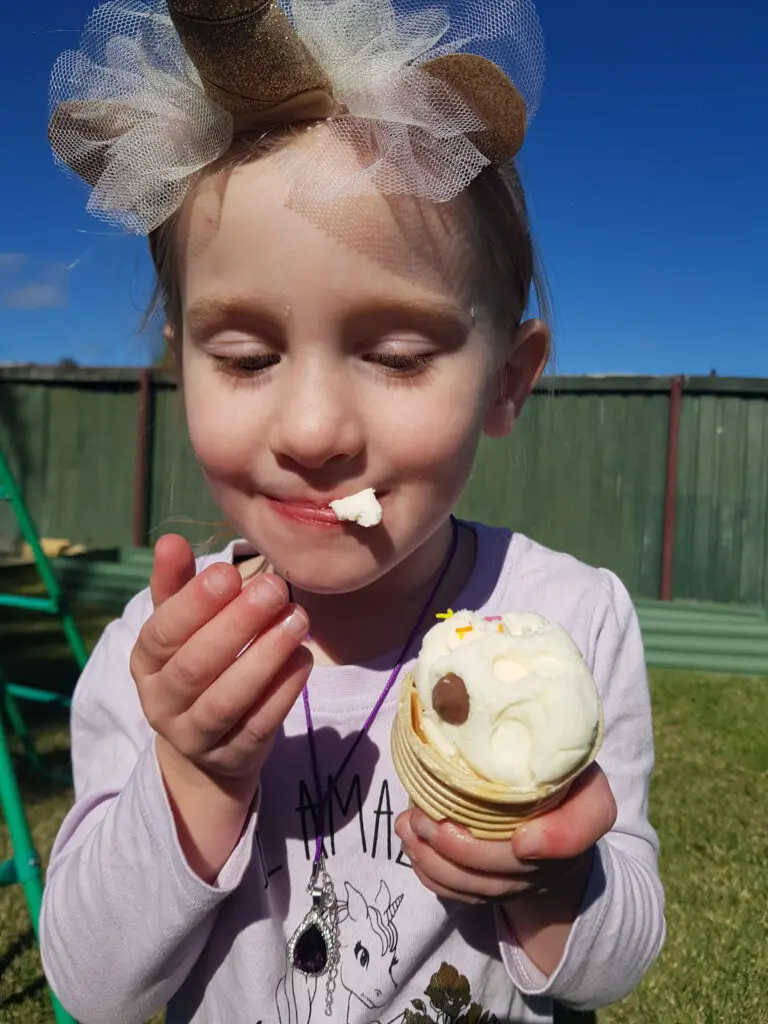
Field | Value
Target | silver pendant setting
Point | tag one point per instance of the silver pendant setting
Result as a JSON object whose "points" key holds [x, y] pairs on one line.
{"points": [[313, 949]]}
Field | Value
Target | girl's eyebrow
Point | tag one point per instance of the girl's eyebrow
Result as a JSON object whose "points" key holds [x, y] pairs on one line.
{"points": [[431, 315], [210, 313]]}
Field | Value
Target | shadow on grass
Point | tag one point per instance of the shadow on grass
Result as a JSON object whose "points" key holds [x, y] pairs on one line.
{"points": [[34, 988], [22, 942], [51, 779]]}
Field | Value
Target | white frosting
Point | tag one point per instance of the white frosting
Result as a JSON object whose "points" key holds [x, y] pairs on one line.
{"points": [[361, 508], [533, 704]]}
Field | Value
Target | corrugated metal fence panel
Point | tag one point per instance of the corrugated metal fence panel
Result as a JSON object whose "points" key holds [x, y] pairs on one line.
{"points": [[91, 444], [23, 436], [600, 500], [584, 472], [712, 638], [180, 500], [721, 544]]}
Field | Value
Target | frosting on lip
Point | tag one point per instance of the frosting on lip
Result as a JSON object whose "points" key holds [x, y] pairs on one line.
{"points": [[509, 697], [361, 508]]}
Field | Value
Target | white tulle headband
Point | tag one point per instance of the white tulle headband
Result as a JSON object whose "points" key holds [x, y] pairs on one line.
{"points": [[158, 91]]}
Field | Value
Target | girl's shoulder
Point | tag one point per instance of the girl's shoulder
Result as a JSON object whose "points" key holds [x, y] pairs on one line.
{"points": [[521, 562], [523, 575]]}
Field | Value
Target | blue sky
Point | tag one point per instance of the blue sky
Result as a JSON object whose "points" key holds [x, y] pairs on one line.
{"points": [[646, 172]]}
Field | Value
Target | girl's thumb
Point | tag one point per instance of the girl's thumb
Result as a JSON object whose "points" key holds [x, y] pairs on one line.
{"points": [[586, 814]]}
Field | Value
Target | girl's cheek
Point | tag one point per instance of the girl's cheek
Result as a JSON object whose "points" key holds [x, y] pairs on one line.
{"points": [[221, 435], [436, 428]]}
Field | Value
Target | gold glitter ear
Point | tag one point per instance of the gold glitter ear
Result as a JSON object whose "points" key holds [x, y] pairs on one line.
{"points": [[492, 96]]}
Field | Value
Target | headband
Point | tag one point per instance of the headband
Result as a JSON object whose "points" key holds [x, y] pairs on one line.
{"points": [[158, 91]]}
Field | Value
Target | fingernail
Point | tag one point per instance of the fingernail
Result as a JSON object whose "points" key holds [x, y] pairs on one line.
{"points": [[266, 593], [412, 857], [296, 622], [529, 841], [218, 581], [423, 826]]}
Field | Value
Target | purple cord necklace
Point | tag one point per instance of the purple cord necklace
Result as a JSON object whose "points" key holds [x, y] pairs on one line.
{"points": [[314, 947]]}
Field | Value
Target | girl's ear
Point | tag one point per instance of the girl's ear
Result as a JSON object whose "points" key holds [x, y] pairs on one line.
{"points": [[173, 344], [527, 359]]}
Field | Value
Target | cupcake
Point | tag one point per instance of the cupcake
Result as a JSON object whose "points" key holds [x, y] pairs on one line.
{"points": [[497, 719]]}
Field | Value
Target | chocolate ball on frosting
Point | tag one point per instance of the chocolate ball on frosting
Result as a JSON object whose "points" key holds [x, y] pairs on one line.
{"points": [[450, 699]]}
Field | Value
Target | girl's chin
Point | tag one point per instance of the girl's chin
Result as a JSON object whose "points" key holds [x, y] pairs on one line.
{"points": [[330, 580], [334, 561], [327, 569]]}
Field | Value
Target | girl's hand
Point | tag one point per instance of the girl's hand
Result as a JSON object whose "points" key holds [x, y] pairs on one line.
{"points": [[541, 855], [214, 703]]}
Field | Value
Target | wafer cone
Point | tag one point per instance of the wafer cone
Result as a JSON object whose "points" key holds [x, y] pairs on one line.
{"points": [[447, 792]]}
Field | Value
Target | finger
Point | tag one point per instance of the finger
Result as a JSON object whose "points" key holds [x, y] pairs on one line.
{"points": [[247, 682], [269, 714], [459, 845], [214, 648], [442, 891], [586, 814], [182, 615], [457, 878], [174, 567]]}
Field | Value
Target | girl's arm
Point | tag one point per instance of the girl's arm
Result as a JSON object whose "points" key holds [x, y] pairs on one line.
{"points": [[124, 915], [591, 944]]}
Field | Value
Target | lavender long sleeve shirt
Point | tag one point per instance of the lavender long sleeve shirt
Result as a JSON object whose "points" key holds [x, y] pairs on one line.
{"points": [[127, 927]]}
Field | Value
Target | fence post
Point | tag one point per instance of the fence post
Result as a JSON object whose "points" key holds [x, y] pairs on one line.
{"points": [[141, 471], [670, 490]]}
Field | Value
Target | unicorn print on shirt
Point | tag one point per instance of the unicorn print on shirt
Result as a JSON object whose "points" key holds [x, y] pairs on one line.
{"points": [[368, 940]]}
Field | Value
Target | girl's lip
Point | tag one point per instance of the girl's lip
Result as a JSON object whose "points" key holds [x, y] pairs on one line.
{"points": [[313, 513], [306, 512]]}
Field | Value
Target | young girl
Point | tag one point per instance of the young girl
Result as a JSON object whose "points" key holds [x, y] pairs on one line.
{"points": [[344, 259]]}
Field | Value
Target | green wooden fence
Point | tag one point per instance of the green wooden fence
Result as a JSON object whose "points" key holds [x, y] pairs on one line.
{"points": [[103, 459]]}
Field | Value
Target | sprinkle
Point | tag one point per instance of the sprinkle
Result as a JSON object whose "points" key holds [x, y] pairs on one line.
{"points": [[501, 628], [461, 630], [445, 615], [492, 618]]}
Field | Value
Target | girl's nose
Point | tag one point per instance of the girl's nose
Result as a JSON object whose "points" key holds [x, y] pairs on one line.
{"points": [[317, 421]]}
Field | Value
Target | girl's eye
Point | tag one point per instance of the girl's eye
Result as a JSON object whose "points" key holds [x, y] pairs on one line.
{"points": [[400, 363], [244, 366], [362, 954]]}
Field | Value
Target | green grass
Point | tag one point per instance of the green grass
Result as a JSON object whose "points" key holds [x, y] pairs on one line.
{"points": [[709, 803], [710, 806]]}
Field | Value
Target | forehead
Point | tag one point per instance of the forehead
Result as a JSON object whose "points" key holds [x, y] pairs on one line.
{"points": [[258, 224]]}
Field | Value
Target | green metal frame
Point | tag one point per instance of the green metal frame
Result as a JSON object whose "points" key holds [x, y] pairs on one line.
{"points": [[23, 867]]}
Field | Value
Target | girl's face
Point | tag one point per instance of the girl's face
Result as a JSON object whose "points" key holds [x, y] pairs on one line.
{"points": [[314, 368]]}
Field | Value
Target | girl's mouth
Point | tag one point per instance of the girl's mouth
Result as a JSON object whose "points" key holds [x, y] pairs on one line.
{"points": [[306, 512], [310, 511]]}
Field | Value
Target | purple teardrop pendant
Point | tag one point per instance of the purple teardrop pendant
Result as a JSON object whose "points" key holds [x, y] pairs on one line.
{"points": [[310, 954]]}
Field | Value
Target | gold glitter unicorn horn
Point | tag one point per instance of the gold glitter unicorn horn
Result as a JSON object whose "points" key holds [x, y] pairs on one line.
{"points": [[252, 62]]}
